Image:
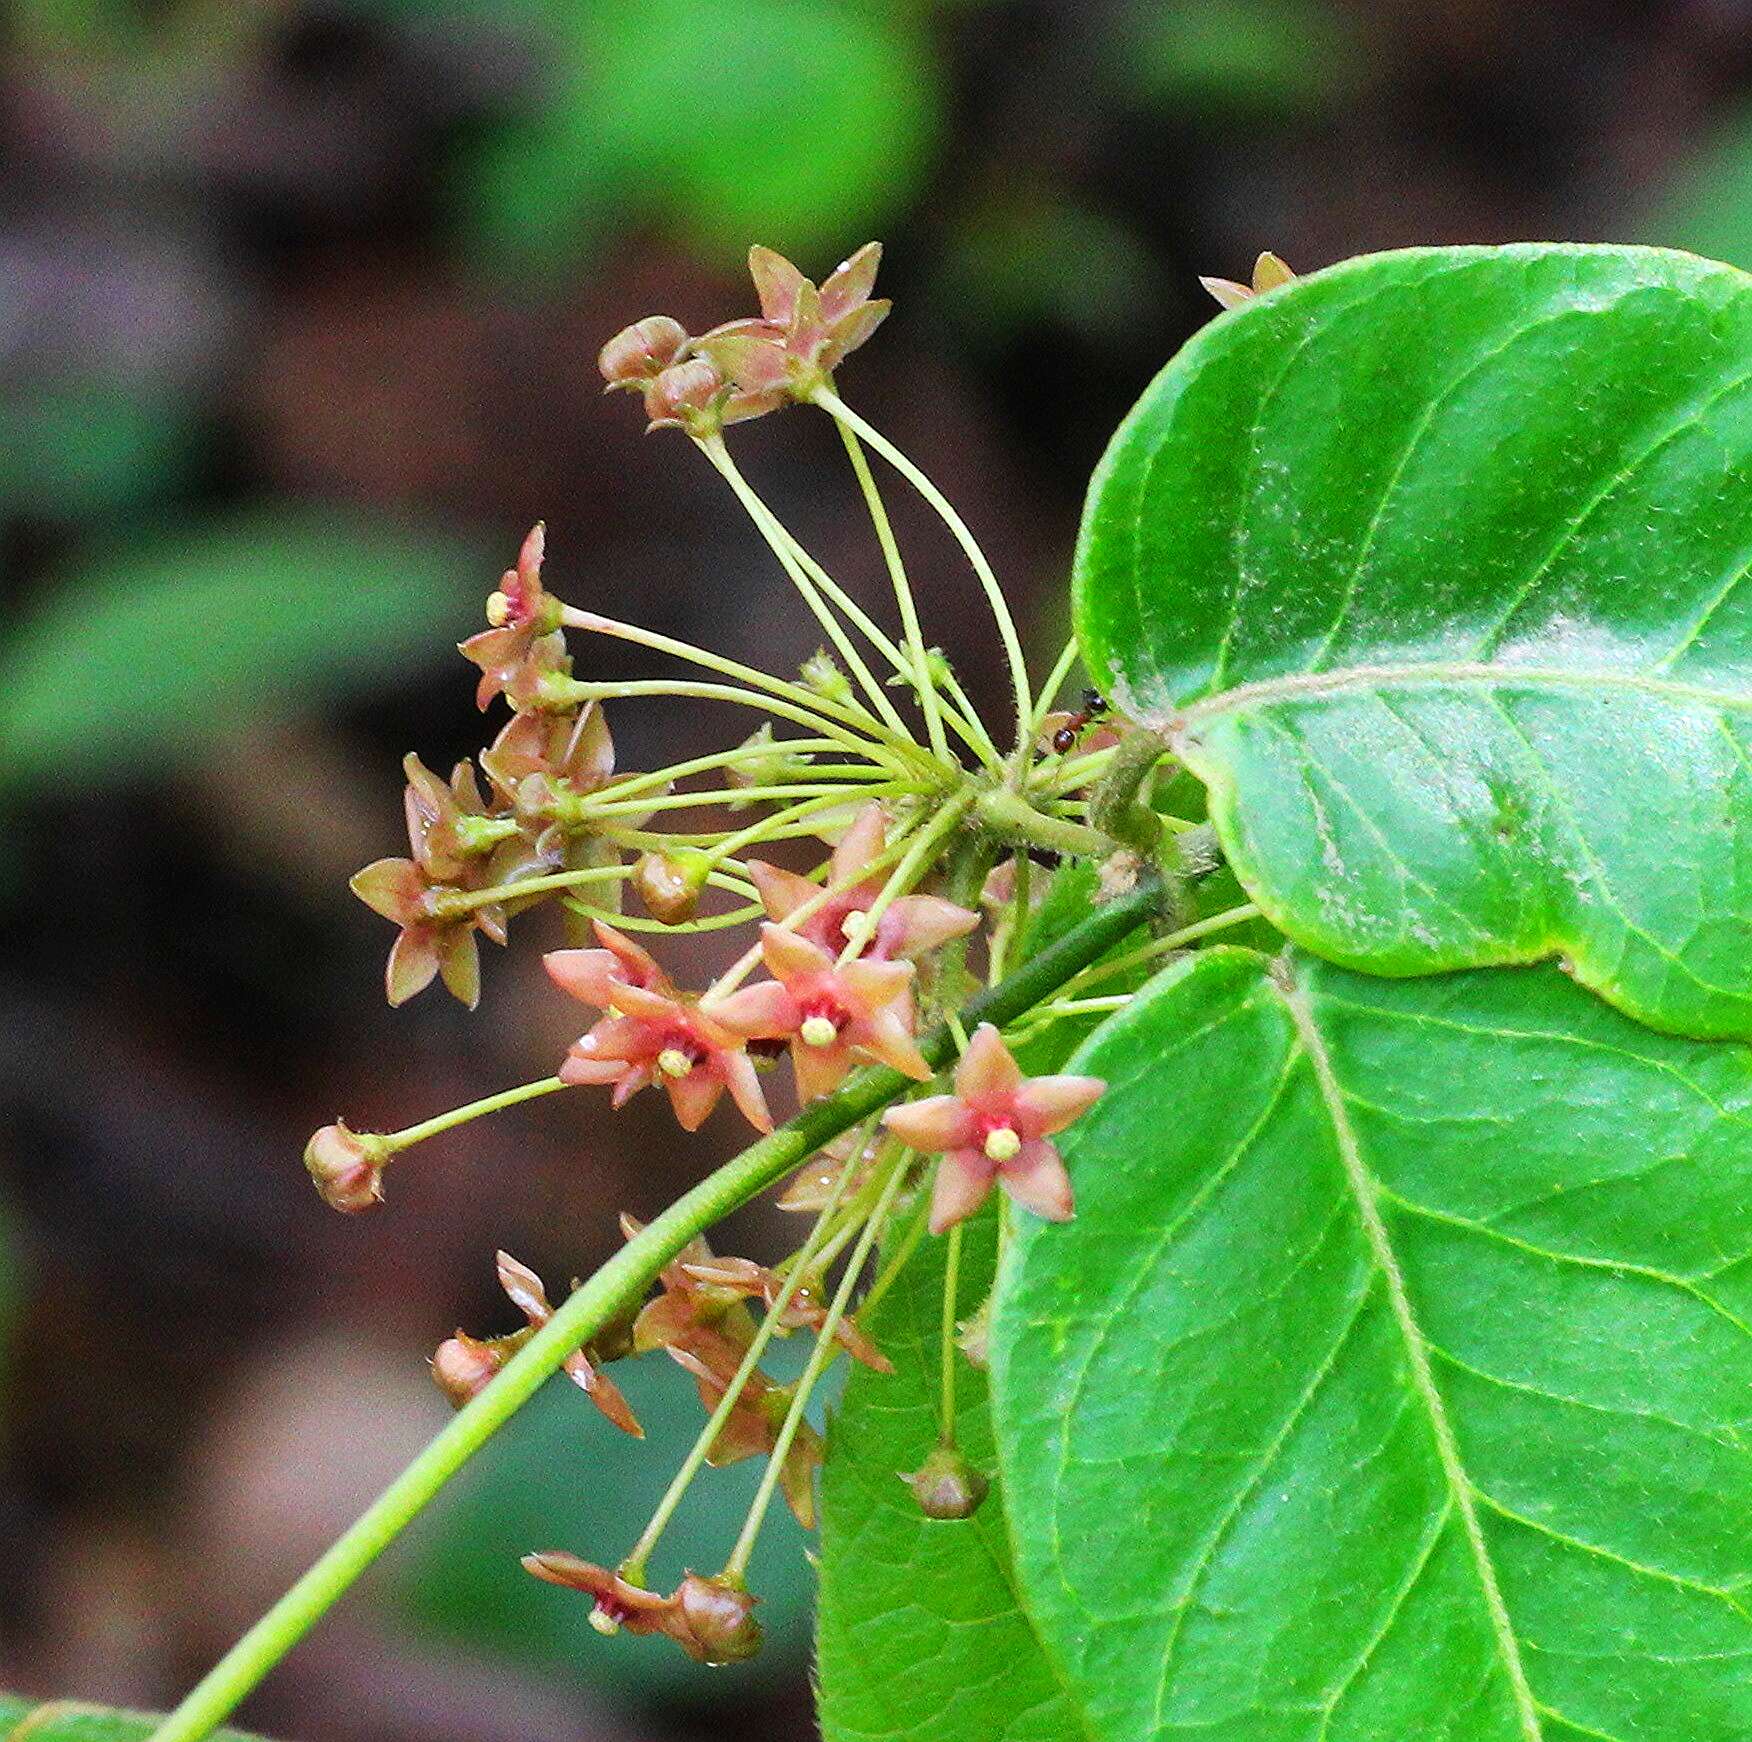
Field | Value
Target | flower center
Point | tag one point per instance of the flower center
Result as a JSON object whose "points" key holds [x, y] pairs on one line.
{"points": [[607, 1616], [855, 924], [818, 1030], [676, 1061], [1002, 1144]]}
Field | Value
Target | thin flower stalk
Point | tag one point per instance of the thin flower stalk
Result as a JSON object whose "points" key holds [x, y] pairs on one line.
{"points": [[835, 407], [946, 1340], [852, 714], [1055, 681], [878, 747], [809, 589], [826, 1348], [800, 567], [929, 701]]}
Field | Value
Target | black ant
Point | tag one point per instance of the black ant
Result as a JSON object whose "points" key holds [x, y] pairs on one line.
{"points": [[1064, 740]]}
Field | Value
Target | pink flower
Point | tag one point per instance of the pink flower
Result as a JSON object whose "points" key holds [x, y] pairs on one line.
{"points": [[712, 1620], [994, 1128], [523, 645], [803, 333], [830, 1015], [464, 1366], [911, 926], [650, 1033], [435, 939]]}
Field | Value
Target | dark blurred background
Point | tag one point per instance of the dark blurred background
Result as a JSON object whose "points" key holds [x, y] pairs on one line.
{"points": [[299, 303]]}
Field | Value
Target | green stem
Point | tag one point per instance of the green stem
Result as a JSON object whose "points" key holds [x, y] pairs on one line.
{"points": [[609, 1295]]}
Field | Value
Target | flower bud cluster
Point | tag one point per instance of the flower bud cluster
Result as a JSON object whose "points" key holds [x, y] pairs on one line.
{"points": [[746, 368]]}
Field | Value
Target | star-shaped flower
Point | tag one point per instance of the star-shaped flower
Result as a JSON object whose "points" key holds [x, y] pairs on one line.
{"points": [[435, 939], [994, 1128], [650, 1032], [464, 1366], [523, 643], [911, 926], [831, 1015], [712, 1620], [803, 333]]}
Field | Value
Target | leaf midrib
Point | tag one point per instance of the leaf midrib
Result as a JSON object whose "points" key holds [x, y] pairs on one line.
{"points": [[1314, 685], [1364, 1191]]}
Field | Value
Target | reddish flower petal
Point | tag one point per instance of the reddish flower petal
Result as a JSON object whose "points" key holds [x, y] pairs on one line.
{"points": [[850, 283], [819, 1070], [916, 924], [790, 957], [1227, 292], [693, 1097], [591, 976], [869, 986], [760, 1012], [884, 1037], [391, 887], [603, 1392], [859, 846], [987, 1075], [851, 330], [743, 1083], [776, 282], [937, 1123], [964, 1181], [1035, 1177], [413, 965], [782, 892], [1044, 1105]]}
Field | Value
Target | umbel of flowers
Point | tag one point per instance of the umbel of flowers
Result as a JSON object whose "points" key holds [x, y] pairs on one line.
{"points": [[921, 841]]}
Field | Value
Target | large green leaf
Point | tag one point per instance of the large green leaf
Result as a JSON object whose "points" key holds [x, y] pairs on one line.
{"points": [[1394, 1380], [920, 1636], [1432, 565], [73, 1721]]}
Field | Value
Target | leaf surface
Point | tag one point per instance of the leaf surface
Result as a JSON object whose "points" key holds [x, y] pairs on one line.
{"points": [[919, 1635], [1394, 1379], [1434, 567]]}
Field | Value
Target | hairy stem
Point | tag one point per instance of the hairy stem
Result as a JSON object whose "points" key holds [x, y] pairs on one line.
{"points": [[609, 1295]]}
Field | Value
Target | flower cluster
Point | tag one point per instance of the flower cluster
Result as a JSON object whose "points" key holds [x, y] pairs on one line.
{"points": [[746, 368], [859, 953]]}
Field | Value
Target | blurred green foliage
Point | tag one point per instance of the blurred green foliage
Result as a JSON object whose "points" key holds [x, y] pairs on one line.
{"points": [[149, 654], [88, 447], [560, 1477], [798, 122], [1235, 56], [1709, 210]]}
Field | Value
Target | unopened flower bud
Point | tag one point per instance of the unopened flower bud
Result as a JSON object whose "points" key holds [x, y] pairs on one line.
{"points": [[720, 1618], [463, 1367], [821, 673], [686, 396], [669, 884], [347, 1166], [946, 1485], [642, 351]]}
